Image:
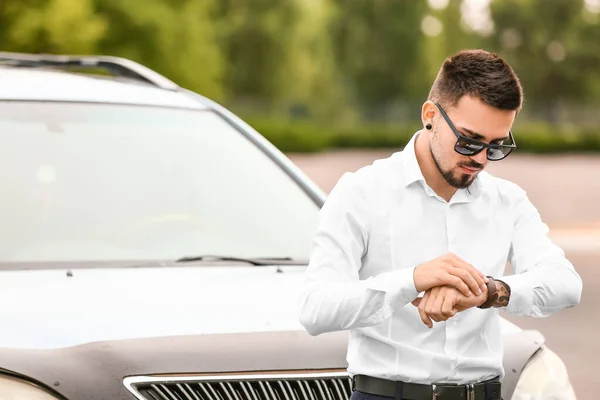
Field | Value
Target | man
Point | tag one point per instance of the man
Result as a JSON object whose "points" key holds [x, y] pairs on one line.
{"points": [[429, 220]]}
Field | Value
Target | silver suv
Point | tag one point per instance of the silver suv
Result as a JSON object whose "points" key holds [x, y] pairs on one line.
{"points": [[153, 244]]}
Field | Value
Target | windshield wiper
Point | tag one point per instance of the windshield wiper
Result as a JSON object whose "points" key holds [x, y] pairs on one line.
{"points": [[253, 261]]}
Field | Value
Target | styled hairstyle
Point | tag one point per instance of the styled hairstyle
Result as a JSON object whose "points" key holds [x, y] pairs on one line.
{"points": [[480, 74]]}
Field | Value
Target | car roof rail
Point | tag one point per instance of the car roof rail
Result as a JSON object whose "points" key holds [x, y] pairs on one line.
{"points": [[117, 66]]}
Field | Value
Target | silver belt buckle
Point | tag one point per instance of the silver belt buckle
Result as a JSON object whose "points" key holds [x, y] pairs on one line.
{"points": [[434, 392], [470, 391]]}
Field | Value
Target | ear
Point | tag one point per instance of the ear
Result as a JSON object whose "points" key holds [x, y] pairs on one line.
{"points": [[428, 111]]}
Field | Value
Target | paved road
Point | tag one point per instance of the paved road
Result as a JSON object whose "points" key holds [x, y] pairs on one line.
{"points": [[566, 191]]}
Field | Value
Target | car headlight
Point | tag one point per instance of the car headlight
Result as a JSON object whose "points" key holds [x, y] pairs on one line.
{"points": [[16, 389], [544, 377]]}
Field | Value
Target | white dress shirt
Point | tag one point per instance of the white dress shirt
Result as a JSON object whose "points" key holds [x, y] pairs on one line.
{"points": [[382, 221]]}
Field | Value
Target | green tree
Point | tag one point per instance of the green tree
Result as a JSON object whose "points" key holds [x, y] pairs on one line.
{"points": [[279, 57], [552, 48], [307, 72], [377, 47], [255, 37], [50, 26], [174, 37], [454, 35]]}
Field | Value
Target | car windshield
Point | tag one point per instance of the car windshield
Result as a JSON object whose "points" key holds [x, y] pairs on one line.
{"points": [[95, 182]]}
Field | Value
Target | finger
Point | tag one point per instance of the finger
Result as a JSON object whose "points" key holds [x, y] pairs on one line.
{"points": [[448, 306], [422, 313], [429, 309], [424, 317], [457, 282], [477, 275], [437, 306], [416, 302], [467, 277], [470, 279]]}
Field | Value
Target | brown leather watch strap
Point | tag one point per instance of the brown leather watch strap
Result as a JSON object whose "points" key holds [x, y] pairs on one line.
{"points": [[492, 294]]}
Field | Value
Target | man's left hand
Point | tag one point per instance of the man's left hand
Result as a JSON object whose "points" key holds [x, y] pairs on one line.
{"points": [[443, 302]]}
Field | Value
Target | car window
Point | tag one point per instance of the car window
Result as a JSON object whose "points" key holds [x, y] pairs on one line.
{"points": [[121, 182]]}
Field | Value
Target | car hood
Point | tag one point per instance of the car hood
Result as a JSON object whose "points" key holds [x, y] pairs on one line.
{"points": [[50, 309], [44, 309]]}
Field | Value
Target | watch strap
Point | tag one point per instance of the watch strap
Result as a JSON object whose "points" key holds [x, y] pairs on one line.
{"points": [[492, 296]]}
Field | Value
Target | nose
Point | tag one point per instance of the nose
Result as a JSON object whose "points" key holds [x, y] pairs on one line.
{"points": [[481, 157]]}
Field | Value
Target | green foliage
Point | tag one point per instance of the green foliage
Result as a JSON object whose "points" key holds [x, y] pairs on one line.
{"points": [[455, 36], [256, 37], [175, 38], [306, 137], [51, 26], [311, 77], [318, 74], [377, 44], [550, 45]]}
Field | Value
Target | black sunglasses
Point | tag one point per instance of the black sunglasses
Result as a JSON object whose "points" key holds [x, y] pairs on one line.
{"points": [[469, 147]]}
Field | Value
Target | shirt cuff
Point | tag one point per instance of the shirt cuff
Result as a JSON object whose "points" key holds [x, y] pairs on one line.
{"points": [[521, 294], [398, 285]]}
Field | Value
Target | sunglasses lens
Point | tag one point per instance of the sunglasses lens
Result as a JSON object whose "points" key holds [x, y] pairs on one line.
{"points": [[498, 154], [467, 148]]}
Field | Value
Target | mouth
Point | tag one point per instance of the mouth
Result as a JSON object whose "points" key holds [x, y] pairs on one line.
{"points": [[469, 170]]}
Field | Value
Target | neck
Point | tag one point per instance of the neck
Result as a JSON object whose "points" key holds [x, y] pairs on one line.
{"points": [[432, 175]]}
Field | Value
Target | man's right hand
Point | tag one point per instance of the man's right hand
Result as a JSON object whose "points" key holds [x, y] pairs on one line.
{"points": [[443, 302], [451, 270]]}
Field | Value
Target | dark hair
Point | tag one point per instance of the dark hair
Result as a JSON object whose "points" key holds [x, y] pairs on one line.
{"points": [[480, 74]]}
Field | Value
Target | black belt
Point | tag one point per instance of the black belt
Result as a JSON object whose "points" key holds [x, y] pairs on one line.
{"points": [[488, 390]]}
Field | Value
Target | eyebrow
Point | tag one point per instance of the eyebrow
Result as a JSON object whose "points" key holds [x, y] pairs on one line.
{"points": [[479, 136]]}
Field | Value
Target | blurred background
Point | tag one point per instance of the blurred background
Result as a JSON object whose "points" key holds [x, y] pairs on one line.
{"points": [[338, 83], [317, 74]]}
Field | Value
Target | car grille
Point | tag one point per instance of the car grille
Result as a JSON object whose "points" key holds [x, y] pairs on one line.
{"points": [[322, 386]]}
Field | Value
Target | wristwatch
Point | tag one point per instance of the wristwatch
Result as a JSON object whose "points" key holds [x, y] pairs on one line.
{"points": [[492, 296]]}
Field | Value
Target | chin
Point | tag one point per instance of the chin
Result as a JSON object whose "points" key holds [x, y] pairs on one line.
{"points": [[463, 181]]}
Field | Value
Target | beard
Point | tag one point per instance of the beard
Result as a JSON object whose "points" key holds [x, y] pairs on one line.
{"points": [[458, 180]]}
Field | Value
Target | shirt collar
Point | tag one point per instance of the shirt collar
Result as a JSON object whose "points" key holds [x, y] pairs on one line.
{"points": [[412, 173], [410, 165]]}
